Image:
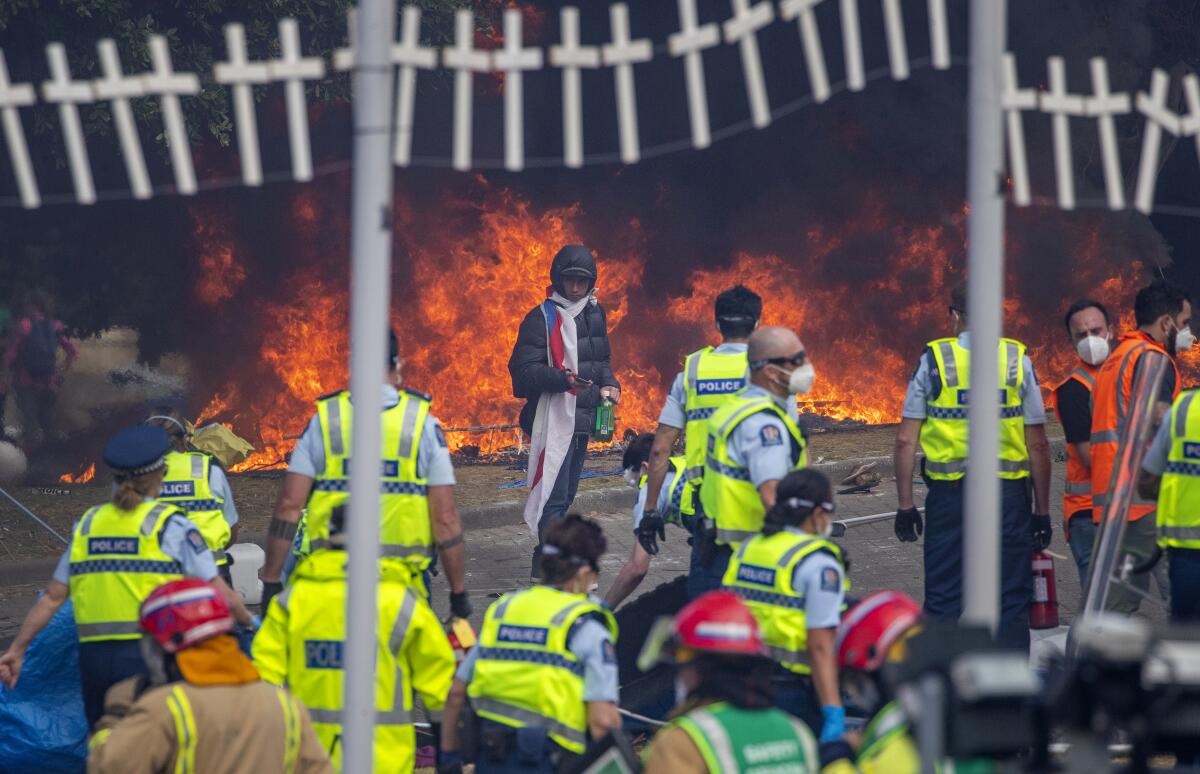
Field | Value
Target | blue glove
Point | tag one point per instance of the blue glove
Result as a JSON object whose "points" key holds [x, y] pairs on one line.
{"points": [[255, 622], [835, 723]]}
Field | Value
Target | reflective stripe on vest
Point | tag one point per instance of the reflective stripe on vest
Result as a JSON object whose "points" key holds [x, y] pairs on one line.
{"points": [[1077, 489], [186, 485], [710, 381], [185, 730], [944, 431], [291, 726], [729, 497], [1179, 491], [730, 739]]}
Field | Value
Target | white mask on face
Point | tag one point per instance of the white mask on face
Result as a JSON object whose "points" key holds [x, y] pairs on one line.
{"points": [[1092, 350], [681, 691], [801, 380], [633, 477], [1184, 339]]}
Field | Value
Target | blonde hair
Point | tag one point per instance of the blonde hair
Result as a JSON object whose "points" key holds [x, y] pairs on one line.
{"points": [[132, 490], [173, 422]]}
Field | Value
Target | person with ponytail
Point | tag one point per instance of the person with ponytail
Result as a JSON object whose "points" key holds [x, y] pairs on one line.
{"points": [[792, 577], [195, 482], [120, 551]]}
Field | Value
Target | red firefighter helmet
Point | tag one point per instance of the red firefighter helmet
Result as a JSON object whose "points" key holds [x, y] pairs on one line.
{"points": [[717, 622], [870, 628], [184, 612]]}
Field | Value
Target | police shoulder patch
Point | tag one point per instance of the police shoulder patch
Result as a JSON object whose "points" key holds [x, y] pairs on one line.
{"points": [[831, 579], [770, 435], [440, 435], [608, 652], [196, 541]]}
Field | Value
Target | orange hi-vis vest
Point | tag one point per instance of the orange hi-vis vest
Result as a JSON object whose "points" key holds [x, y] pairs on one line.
{"points": [[1077, 495], [1111, 405]]}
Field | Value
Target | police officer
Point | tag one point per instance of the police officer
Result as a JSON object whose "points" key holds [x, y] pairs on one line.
{"points": [[194, 483], [543, 678], [935, 411], [668, 504], [710, 377], [120, 552], [417, 507], [1087, 325], [793, 579], [725, 721], [752, 444], [301, 640]]}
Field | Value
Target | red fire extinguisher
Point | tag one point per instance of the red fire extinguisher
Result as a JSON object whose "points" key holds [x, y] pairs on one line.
{"points": [[1043, 613]]}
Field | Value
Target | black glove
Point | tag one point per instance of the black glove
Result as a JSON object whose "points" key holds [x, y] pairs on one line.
{"points": [[269, 590], [460, 604], [650, 530], [909, 525], [450, 762], [1042, 532]]}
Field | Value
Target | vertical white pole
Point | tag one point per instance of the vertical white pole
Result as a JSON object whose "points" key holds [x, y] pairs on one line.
{"points": [[985, 293], [370, 286]]}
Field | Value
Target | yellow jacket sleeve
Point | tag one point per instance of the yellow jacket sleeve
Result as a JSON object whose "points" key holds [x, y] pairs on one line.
{"points": [[270, 647], [430, 657]]}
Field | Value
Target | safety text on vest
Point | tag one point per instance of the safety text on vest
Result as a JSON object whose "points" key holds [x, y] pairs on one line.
{"points": [[112, 545], [323, 654], [524, 635], [178, 489], [761, 576]]}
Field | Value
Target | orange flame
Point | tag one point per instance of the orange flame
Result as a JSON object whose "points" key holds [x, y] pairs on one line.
{"points": [[79, 478], [220, 272]]}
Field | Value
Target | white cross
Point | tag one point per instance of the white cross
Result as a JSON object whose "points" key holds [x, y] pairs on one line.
{"points": [[1061, 105], [69, 95], [1012, 101], [118, 88], [12, 97], [409, 54], [743, 28], [513, 60], [897, 44], [240, 73], [688, 43], [810, 35], [852, 43], [169, 85], [621, 55], [294, 70], [1191, 122], [1158, 117], [571, 57], [939, 35], [466, 60], [343, 58], [1102, 106]]}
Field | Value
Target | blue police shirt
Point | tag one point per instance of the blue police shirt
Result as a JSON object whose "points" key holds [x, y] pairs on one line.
{"points": [[761, 442], [1155, 461]]}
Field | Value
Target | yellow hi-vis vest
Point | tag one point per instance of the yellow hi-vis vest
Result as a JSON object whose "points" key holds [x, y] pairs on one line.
{"points": [[115, 563], [405, 531], [760, 572], [679, 484], [710, 380], [302, 644], [525, 674], [944, 433], [728, 495], [1179, 493], [186, 486]]}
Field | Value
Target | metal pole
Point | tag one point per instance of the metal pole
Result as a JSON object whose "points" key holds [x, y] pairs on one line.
{"points": [[985, 293], [31, 515], [370, 286]]}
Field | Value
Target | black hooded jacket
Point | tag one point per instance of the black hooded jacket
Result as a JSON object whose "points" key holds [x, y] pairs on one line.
{"points": [[530, 367]]}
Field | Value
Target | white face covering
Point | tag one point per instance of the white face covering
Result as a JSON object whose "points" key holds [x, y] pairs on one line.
{"points": [[633, 477], [681, 691], [1184, 339], [801, 380], [1092, 350]]}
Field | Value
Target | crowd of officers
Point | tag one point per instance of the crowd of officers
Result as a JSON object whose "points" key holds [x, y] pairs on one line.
{"points": [[764, 652]]}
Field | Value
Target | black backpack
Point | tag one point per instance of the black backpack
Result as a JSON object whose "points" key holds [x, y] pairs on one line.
{"points": [[39, 352]]}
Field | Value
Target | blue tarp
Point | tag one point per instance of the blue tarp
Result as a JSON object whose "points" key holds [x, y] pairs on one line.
{"points": [[43, 724]]}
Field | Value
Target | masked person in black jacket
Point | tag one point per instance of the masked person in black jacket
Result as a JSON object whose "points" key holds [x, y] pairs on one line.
{"points": [[561, 365]]}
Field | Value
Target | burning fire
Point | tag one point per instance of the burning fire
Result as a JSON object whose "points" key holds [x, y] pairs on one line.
{"points": [[220, 272], [79, 478]]}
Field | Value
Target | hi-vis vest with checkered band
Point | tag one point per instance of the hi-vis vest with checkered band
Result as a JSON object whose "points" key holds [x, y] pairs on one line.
{"points": [[728, 495], [1179, 493], [679, 484], [1077, 494], [186, 486], [709, 381], [115, 563], [316, 632], [732, 739], [405, 531], [760, 572], [944, 433], [525, 674]]}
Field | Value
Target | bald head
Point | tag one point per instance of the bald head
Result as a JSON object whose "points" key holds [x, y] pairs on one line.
{"points": [[772, 342]]}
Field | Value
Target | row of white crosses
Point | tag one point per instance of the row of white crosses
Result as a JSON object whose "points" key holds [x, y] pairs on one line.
{"points": [[620, 54], [1102, 104]]}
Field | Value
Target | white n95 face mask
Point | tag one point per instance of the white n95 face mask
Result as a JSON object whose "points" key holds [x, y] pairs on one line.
{"points": [[632, 477], [1184, 339], [1092, 350], [801, 380]]}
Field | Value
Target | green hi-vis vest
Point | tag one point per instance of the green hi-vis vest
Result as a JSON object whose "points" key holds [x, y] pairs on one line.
{"points": [[674, 497], [405, 530], [186, 485], [1179, 493], [115, 563], [729, 497], [944, 433], [760, 572], [525, 674], [710, 380], [735, 740]]}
